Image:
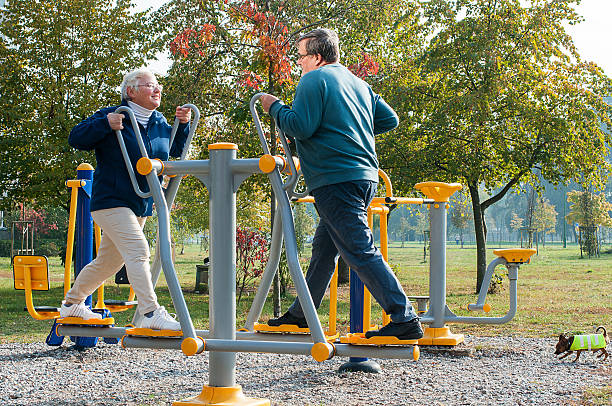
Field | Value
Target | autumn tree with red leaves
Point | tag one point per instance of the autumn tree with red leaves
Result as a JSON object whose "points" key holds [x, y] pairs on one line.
{"points": [[224, 51]]}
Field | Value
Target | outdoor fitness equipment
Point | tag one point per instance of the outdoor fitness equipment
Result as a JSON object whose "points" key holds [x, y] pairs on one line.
{"points": [[81, 224], [222, 174], [438, 314]]}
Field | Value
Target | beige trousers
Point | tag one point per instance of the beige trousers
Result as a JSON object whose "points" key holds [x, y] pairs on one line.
{"points": [[123, 241]]}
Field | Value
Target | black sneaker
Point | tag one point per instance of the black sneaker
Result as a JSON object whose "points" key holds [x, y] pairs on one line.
{"points": [[288, 318], [408, 330]]}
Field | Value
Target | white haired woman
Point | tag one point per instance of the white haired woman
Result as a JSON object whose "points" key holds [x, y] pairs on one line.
{"points": [[115, 206]]}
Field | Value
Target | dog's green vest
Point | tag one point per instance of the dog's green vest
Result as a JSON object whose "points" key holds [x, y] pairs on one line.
{"points": [[588, 342]]}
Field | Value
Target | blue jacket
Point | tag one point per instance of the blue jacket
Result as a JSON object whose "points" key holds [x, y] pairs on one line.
{"points": [[111, 182], [333, 119]]}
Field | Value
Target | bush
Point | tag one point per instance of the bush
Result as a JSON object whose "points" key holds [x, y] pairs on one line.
{"points": [[50, 247], [5, 248]]}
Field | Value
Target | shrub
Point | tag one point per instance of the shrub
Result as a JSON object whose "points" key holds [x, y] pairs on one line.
{"points": [[50, 247], [251, 257], [5, 248]]}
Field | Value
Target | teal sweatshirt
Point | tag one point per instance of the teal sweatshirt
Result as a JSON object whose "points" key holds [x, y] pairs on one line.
{"points": [[333, 119]]}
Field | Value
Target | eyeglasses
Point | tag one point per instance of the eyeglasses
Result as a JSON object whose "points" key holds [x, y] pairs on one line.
{"points": [[152, 86], [300, 56]]}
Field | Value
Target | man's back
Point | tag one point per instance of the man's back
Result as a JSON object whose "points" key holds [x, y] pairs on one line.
{"points": [[334, 118]]}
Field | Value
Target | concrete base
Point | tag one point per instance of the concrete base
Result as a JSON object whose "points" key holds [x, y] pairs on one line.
{"points": [[225, 396], [361, 366], [440, 336]]}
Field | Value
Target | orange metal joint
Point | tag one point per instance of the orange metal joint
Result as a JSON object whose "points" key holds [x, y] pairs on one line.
{"points": [[267, 163], [322, 351], [285, 164], [144, 166], [162, 166], [190, 346]]}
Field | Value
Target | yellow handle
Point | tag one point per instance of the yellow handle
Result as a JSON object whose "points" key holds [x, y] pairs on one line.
{"points": [[28, 297], [71, 226]]}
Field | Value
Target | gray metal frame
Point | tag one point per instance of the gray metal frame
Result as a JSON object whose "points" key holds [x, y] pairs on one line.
{"points": [[438, 313], [222, 174]]}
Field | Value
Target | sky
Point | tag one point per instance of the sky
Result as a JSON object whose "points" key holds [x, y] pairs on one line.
{"points": [[593, 37]]}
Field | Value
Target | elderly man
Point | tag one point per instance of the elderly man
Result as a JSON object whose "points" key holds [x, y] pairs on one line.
{"points": [[333, 119]]}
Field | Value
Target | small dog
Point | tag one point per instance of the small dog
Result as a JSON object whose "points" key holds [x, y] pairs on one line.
{"points": [[586, 342]]}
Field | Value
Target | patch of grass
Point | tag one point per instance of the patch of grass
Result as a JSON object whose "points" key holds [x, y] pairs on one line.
{"points": [[597, 396]]}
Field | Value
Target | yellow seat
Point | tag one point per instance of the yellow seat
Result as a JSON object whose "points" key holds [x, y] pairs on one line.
{"points": [[31, 272], [438, 191], [515, 255]]}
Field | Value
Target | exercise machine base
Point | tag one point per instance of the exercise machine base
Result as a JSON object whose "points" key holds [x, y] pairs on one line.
{"points": [[226, 396]]}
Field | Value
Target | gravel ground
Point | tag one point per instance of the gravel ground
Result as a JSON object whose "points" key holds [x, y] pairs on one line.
{"points": [[483, 371]]}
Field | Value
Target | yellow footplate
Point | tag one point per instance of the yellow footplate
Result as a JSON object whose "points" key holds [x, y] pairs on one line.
{"points": [[290, 329], [359, 338], [147, 332], [82, 322]]}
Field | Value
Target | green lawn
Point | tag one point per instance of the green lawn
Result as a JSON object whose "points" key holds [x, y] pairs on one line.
{"points": [[558, 292]]}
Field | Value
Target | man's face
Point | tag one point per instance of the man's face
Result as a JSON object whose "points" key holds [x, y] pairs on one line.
{"points": [[307, 62]]}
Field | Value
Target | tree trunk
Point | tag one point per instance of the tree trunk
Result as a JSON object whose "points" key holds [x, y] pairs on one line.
{"points": [[480, 229]]}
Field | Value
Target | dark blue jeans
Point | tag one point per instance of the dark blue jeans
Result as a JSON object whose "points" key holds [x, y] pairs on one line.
{"points": [[343, 229]]}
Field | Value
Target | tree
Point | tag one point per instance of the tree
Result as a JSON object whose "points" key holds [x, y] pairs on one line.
{"points": [[501, 96], [180, 227], [516, 223], [589, 211], [304, 225], [460, 214], [59, 62], [545, 218]]}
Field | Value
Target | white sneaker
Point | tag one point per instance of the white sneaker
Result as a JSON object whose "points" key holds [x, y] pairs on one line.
{"points": [[78, 310], [160, 320]]}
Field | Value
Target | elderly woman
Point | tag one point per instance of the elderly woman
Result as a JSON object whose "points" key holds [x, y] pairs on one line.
{"points": [[115, 206]]}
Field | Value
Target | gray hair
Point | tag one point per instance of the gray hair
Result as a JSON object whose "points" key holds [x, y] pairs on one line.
{"points": [[324, 42], [131, 80]]}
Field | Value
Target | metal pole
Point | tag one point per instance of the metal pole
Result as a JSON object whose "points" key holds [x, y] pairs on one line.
{"points": [[84, 225], [84, 237], [222, 212], [437, 264]]}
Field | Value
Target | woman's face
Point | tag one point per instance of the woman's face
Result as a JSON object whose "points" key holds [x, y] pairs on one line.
{"points": [[147, 92]]}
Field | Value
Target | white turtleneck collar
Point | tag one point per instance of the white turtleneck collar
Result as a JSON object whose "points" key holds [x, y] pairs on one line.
{"points": [[142, 114]]}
